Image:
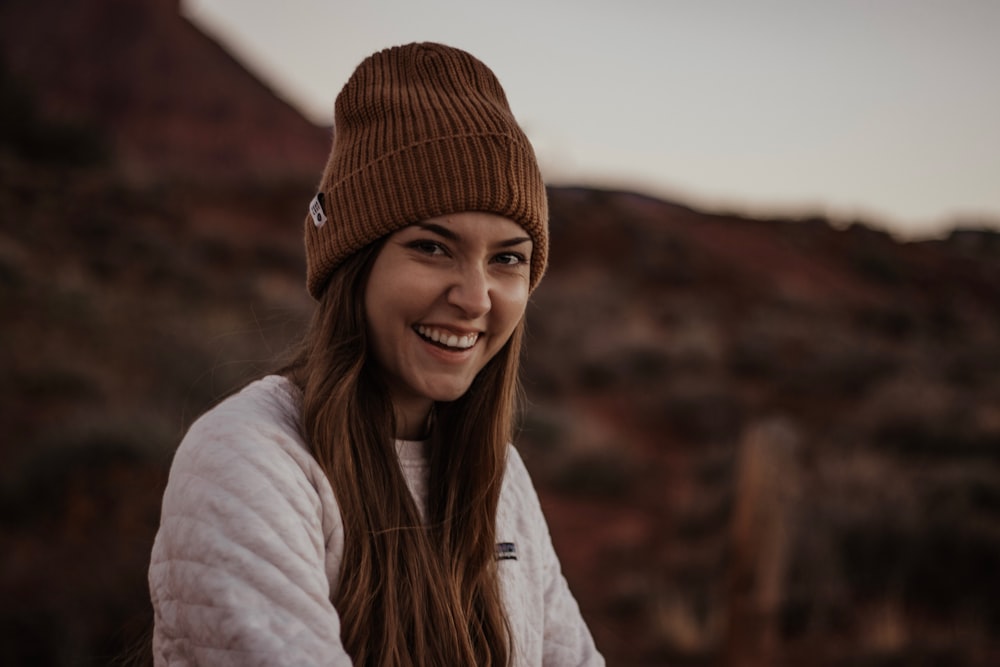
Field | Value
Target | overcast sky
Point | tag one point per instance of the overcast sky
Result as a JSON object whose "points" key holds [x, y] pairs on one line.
{"points": [[887, 110]]}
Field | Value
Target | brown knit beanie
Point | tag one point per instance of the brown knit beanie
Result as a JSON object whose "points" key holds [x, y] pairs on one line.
{"points": [[420, 131]]}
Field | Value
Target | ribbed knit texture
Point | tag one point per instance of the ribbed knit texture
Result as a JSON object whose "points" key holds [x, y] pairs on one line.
{"points": [[420, 131]]}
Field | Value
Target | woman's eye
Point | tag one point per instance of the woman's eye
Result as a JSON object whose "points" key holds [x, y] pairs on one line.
{"points": [[510, 258], [427, 247]]}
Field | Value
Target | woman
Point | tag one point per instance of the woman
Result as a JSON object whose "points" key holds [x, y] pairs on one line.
{"points": [[365, 507]]}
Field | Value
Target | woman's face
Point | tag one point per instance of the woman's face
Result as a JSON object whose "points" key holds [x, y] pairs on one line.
{"points": [[443, 297]]}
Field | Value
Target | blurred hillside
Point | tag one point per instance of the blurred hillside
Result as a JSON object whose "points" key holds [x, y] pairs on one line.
{"points": [[166, 99], [758, 442]]}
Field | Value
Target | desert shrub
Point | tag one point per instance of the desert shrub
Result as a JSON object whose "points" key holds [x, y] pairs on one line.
{"points": [[890, 321], [909, 656], [875, 557], [626, 365], [877, 262], [277, 257], [710, 517], [953, 569], [941, 567], [11, 274], [538, 431], [754, 356], [950, 438], [972, 366], [37, 484], [704, 417], [984, 496], [645, 364], [596, 375], [51, 384], [599, 475], [821, 364], [30, 136]]}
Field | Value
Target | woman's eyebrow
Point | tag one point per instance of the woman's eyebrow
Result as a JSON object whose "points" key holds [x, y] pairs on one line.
{"points": [[439, 230], [435, 228], [515, 241]]}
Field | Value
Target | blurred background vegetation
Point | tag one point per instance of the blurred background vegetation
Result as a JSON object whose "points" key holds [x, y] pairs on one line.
{"points": [[758, 442]]}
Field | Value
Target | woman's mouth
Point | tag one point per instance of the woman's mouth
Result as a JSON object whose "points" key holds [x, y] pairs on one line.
{"points": [[446, 339]]}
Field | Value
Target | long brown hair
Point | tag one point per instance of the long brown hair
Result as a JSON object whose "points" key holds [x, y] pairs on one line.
{"points": [[411, 592]]}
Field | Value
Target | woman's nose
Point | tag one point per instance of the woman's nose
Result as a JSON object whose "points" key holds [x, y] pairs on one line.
{"points": [[471, 292]]}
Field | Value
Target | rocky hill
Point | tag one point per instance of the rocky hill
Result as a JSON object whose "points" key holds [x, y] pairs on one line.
{"points": [[758, 442], [164, 98]]}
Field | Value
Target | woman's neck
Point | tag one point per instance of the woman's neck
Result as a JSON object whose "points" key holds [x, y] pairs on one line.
{"points": [[412, 419]]}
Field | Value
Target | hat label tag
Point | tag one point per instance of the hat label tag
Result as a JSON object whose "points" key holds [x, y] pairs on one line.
{"points": [[316, 211]]}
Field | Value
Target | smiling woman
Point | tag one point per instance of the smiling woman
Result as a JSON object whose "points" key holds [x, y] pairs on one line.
{"points": [[364, 506]]}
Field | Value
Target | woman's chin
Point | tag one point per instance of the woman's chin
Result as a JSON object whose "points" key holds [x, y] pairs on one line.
{"points": [[448, 393]]}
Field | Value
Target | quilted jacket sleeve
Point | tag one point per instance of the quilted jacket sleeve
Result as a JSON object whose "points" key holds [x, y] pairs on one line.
{"points": [[567, 640], [238, 572]]}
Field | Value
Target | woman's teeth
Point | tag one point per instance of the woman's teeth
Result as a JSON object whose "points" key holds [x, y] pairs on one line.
{"points": [[447, 339]]}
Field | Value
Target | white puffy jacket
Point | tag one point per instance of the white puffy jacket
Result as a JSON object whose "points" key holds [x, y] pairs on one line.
{"points": [[250, 543]]}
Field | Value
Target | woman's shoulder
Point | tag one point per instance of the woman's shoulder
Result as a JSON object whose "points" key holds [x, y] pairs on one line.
{"points": [[516, 471], [518, 494], [271, 401], [255, 429]]}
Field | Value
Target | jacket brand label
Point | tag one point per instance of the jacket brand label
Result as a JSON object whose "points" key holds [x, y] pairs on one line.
{"points": [[506, 551]]}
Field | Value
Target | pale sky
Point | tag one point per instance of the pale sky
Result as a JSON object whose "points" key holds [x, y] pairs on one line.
{"points": [[884, 110]]}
